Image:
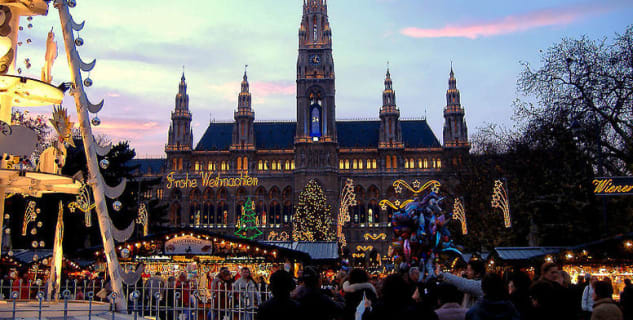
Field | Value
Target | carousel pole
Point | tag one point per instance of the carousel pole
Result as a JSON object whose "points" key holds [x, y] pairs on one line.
{"points": [[3, 196], [95, 178]]}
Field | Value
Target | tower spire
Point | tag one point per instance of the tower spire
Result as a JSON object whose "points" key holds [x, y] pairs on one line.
{"points": [[390, 129], [455, 131]]}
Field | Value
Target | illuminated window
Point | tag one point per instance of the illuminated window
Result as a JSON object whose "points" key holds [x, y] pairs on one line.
{"points": [[245, 163], [394, 162], [274, 165], [439, 163], [368, 163], [239, 163], [224, 166], [159, 194], [406, 164], [388, 162], [360, 164], [346, 164], [426, 163], [287, 165], [266, 165], [355, 164], [260, 165], [180, 164], [411, 163], [420, 163], [174, 164], [341, 164], [196, 166], [293, 164], [211, 166], [373, 164], [434, 163]]}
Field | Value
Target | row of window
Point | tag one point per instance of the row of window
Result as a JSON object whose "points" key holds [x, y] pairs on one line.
{"points": [[391, 162], [435, 163], [275, 165], [357, 164]]}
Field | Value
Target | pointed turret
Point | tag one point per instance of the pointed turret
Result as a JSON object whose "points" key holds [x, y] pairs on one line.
{"points": [[243, 135], [390, 129], [455, 130], [180, 135]]}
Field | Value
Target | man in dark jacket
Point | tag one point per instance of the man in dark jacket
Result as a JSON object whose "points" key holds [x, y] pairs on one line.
{"points": [[355, 289], [280, 306], [313, 304], [494, 305]]}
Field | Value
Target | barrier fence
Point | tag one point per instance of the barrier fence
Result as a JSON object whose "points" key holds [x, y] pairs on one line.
{"points": [[152, 299]]}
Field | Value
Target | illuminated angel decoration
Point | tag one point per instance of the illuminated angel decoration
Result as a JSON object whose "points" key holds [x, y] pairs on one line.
{"points": [[83, 203], [143, 218], [500, 201], [30, 215], [459, 214], [348, 199]]}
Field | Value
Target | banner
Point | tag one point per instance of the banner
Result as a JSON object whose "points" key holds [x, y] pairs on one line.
{"points": [[613, 186], [188, 245]]}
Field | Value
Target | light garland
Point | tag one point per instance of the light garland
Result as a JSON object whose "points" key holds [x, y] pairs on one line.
{"points": [[30, 215], [500, 201], [248, 228], [375, 236], [82, 202], [364, 248], [433, 184], [348, 199], [459, 214], [396, 205], [313, 219], [274, 236], [143, 218]]}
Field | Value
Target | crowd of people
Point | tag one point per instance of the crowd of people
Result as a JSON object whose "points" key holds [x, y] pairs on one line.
{"points": [[309, 294]]}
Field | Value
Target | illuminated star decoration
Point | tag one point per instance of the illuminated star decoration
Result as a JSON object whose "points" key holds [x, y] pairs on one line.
{"points": [[375, 236], [30, 215], [459, 214], [433, 184], [61, 123], [500, 200], [348, 199], [142, 218], [82, 202]]}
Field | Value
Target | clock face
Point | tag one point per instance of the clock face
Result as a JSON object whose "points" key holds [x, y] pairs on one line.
{"points": [[315, 60]]}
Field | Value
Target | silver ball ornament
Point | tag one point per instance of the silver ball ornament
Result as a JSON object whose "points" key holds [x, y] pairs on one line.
{"points": [[87, 82], [72, 3], [34, 244], [42, 243], [7, 216], [79, 42], [104, 164], [117, 205], [33, 231], [95, 121], [39, 224], [125, 253]]}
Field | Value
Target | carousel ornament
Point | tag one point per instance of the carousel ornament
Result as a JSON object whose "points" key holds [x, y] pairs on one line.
{"points": [[42, 243], [34, 244], [79, 42], [82, 202], [88, 82], [125, 253], [61, 123], [95, 121], [104, 164], [72, 3], [49, 57], [116, 205]]}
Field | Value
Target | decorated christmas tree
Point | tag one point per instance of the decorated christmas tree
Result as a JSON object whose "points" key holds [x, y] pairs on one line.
{"points": [[248, 225], [313, 220]]}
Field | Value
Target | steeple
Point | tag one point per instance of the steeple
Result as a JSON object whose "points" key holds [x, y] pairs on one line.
{"points": [[390, 129], [180, 135], [315, 31], [243, 134], [455, 130]]}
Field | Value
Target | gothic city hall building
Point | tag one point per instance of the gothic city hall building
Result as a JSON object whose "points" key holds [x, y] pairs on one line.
{"points": [[206, 184]]}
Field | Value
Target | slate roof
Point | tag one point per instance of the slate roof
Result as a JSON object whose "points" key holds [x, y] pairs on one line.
{"points": [[280, 135], [525, 253], [317, 250], [156, 165]]}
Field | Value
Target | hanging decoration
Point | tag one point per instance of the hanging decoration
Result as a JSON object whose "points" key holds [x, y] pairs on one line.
{"points": [[364, 248], [49, 56], [82, 203], [248, 227], [375, 236], [274, 236], [348, 199], [30, 215], [416, 188], [459, 214], [54, 279], [500, 201], [124, 234], [143, 218], [313, 219]]}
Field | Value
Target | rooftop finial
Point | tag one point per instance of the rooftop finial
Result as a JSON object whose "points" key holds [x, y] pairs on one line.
{"points": [[183, 73], [452, 73]]}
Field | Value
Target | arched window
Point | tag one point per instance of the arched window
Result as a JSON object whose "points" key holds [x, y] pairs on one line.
{"points": [[260, 165], [373, 164], [287, 212], [373, 212], [388, 162], [355, 164], [394, 162], [316, 115], [406, 164], [239, 163], [426, 163], [245, 164], [346, 164], [341, 164], [274, 165], [360, 164], [439, 163], [275, 212], [196, 166]]}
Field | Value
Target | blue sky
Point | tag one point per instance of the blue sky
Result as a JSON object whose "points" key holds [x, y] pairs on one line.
{"points": [[141, 46]]}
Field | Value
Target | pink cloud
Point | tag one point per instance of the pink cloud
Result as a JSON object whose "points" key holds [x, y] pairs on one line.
{"points": [[273, 88], [509, 24], [125, 129]]}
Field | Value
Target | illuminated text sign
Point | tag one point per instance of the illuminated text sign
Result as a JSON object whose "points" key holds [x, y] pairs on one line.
{"points": [[208, 179], [613, 186]]}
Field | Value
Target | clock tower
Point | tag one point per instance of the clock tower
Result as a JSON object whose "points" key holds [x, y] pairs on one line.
{"points": [[315, 138]]}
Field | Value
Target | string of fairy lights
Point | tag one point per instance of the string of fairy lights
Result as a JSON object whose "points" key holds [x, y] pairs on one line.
{"points": [[459, 214], [500, 201], [348, 199], [313, 217]]}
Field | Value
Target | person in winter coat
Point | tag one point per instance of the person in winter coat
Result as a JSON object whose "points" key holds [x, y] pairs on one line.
{"points": [[518, 288], [220, 297], [626, 300], [565, 304], [313, 304], [494, 305], [586, 303], [604, 308], [246, 296], [448, 298], [355, 288], [280, 306], [471, 285], [396, 303]]}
